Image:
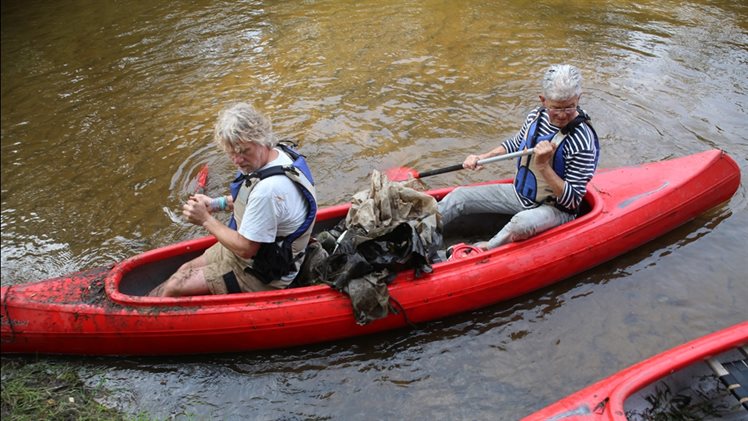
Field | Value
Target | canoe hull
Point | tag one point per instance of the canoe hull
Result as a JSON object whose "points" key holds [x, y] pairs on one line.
{"points": [[93, 312], [604, 400]]}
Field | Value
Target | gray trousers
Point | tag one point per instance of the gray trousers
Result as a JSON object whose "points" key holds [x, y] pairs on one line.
{"points": [[502, 199]]}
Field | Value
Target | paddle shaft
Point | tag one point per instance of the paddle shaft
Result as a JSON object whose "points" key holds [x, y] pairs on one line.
{"points": [[481, 162]]}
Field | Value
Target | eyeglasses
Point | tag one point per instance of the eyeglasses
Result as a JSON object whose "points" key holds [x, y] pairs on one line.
{"points": [[235, 152], [568, 110], [238, 152]]}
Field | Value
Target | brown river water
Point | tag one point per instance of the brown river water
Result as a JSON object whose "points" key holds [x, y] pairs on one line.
{"points": [[107, 112]]}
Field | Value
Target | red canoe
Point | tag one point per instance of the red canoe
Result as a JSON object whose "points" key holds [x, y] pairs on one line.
{"points": [[102, 311], [605, 399]]}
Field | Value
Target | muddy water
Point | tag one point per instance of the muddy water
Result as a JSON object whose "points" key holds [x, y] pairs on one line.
{"points": [[107, 110]]}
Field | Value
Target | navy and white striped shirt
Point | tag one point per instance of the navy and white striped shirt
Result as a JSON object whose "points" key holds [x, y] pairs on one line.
{"points": [[579, 152]]}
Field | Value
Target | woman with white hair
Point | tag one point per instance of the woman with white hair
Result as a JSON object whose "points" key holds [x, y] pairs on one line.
{"points": [[550, 183]]}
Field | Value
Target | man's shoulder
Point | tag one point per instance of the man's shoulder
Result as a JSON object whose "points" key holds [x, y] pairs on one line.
{"points": [[282, 159], [272, 183], [272, 174]]}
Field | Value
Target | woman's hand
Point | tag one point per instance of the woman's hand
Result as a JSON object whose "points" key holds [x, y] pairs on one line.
{"points": [[471, 162], [544, 153]]}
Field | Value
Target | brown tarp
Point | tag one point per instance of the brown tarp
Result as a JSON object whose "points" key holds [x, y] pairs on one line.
{"points": [[390, 227]]}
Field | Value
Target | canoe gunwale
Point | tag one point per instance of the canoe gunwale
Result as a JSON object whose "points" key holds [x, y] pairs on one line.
{"points": [[610, 394]]}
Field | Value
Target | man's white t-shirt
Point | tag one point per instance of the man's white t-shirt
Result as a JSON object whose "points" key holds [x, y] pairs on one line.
{"points": [[275, 208]]}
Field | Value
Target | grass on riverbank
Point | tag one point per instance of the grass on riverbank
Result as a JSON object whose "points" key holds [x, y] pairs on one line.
{"points": [[48, 391]]}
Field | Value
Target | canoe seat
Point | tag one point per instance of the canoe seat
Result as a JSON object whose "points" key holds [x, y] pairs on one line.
{"points": [[734, 375]]}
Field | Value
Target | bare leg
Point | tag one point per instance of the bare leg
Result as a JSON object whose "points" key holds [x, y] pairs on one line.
{"points": [[189, 279]]}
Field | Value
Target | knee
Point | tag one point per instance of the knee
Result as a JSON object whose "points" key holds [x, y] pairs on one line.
{"points": [[171, 289], [165, 289], [451, 205], [173, 286], [519, 229], [453, 198]]}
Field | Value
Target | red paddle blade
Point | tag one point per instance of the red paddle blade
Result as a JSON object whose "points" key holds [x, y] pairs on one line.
{"points": [[401, 173], [202, 179]]}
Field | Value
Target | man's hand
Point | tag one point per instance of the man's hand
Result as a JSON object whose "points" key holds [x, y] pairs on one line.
{"points": [[201, 198], [197, 209]]}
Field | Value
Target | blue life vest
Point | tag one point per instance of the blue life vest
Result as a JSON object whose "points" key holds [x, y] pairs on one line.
{"points": [[525, 181]]}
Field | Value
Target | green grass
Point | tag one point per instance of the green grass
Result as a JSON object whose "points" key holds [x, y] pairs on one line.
{"points": [[49, 391]]}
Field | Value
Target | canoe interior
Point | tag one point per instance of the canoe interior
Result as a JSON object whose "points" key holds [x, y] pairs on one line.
{"points": [[141, 279], [464, 229], [695, 390]]}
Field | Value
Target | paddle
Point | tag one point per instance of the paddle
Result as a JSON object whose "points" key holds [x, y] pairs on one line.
{"points": [[202, 179], [402, 173]]}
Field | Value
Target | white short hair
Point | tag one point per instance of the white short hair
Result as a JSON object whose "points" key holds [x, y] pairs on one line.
{"points": [[562, 82], [241, 123]]}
